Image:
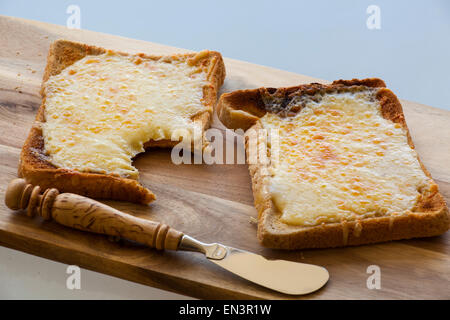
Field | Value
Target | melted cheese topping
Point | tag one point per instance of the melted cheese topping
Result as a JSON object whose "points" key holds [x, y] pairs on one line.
{"points": [[102, 109], [340, 160]]}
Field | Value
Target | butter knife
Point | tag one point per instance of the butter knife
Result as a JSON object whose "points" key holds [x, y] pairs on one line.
{"points": [[86, 214]]}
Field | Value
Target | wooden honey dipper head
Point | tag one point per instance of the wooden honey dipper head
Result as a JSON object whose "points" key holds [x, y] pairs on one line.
{"points": [[22, 195]]}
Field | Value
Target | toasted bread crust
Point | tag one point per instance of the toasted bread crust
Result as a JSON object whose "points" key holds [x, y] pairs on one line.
{"points": [[37, 170], [429, 218]]}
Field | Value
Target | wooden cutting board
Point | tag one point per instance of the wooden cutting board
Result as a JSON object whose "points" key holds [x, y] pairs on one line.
{"points": [[211, 203]]}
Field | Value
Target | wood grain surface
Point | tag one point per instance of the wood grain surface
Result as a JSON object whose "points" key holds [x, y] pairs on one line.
{"points": [[210, 202]]}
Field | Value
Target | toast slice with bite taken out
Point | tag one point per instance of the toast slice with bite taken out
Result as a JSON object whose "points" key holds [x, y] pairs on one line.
{"points": [[100, 108]]}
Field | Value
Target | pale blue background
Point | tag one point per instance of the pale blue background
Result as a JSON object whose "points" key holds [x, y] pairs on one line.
{"points": [[323, 39]]}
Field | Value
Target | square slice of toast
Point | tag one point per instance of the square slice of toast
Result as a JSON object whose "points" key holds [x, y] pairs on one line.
{"points": [[345, 173], [36, 164]]}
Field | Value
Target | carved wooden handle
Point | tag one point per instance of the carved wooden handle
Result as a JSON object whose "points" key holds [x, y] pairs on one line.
{"points": [[85, 214]]}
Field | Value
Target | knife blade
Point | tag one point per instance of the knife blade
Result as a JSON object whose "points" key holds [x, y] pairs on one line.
{"points": [[284, 276]]}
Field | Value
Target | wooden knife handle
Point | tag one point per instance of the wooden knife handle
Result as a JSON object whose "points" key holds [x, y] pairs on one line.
{"points": [[86, 214]]}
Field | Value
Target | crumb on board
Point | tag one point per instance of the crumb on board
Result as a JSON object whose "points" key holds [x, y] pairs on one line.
{"points": [[252, 220], [30, 69]]}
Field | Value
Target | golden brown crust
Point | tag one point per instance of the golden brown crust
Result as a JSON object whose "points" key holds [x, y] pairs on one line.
{"points": [[240, 109], [37, 170], [429, 218]]}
